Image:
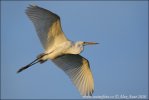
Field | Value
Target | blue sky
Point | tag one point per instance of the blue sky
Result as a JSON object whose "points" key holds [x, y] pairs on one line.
{"points": [[119, 63]]}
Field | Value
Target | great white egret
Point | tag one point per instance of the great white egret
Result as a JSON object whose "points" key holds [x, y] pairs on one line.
{"points": [[63, 52]]}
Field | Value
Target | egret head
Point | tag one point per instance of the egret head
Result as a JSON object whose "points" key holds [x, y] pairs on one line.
{"points": [[79, 46]]}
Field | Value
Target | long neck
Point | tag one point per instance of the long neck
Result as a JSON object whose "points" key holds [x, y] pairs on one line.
{"points": [[75, 49]]}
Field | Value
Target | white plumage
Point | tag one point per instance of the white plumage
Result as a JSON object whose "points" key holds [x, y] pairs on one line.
{"points": [[64, 53]]}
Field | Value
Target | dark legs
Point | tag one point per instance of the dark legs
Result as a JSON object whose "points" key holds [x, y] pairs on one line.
{"points": [[38, 59], [29, 65]]}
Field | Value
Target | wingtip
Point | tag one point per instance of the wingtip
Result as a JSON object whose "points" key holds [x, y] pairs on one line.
{"points": [[90, 93], [32, 5]]}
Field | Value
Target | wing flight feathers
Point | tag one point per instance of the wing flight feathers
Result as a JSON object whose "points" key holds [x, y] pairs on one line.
{"points": [[78, 70], [47, 25]]}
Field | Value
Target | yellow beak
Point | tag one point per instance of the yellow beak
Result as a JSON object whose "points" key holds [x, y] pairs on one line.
{"points": [[90, 43]]}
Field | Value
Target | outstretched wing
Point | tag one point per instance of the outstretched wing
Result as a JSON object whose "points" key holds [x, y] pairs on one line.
{"points": [[48, 26], [78, 69]]}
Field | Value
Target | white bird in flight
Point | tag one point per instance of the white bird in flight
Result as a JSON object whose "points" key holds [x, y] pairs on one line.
{"points": [[63, 52]]}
